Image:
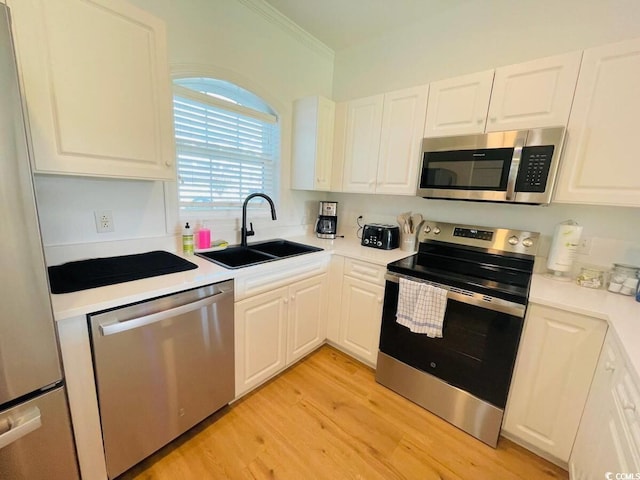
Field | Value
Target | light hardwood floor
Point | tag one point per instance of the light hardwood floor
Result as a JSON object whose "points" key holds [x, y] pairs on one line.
{"points": [[327, 418]]}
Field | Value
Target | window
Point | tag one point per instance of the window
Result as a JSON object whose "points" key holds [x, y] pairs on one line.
{"points": [[227, 144]]}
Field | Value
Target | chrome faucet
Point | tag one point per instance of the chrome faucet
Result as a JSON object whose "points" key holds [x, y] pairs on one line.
{"points": [[244, 233]]}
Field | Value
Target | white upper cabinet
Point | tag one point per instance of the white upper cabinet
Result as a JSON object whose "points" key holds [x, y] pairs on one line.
{"points": [[313, 125], [362, 144], [382, 142], [97, 88], [458, 106], [533, 94], [598, 166], [526, 95], [403, 117]]}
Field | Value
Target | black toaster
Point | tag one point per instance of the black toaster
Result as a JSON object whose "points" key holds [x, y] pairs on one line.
{"points": [[376, 235]]}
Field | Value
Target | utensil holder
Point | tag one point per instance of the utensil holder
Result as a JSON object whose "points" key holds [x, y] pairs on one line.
{"points": [[408, 242]]}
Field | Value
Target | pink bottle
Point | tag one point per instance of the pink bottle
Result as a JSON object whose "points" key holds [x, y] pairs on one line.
{"points": [[204, 238]]}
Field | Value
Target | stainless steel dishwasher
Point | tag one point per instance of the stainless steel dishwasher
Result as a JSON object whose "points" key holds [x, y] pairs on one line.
{"points": [[161, 367]]}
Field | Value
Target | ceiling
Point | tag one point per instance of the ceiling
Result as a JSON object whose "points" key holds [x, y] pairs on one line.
{"points": [[340, 24]]}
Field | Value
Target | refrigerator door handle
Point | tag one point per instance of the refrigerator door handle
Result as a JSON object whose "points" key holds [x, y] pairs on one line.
{"points": [[118, 327], [25, 424]]}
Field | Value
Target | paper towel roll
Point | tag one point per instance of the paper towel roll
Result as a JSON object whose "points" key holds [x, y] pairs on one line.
{"points": [[564, 246]]}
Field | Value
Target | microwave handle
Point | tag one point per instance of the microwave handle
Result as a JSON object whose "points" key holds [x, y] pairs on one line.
{"points": [[520, 141]]}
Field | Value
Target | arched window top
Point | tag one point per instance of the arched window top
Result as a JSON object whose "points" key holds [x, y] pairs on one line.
{"points": [[225, 91], [227, 144]]}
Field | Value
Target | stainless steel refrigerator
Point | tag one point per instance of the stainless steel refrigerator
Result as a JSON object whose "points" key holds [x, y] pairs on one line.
{"points": [[36, 440]]}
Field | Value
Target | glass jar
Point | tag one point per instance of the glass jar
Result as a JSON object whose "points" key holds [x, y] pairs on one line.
{"points": [[622, 278], [590, 278]]}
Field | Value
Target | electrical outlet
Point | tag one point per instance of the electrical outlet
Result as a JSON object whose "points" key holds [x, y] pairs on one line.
{"points": [[584, 246], [104, 221]]}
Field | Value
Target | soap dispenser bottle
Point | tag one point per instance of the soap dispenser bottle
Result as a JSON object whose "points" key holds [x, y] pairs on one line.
{"points": [[187, 240]]}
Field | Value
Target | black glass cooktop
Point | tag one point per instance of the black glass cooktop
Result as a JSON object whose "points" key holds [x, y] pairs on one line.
{"points": [[502, 275]]}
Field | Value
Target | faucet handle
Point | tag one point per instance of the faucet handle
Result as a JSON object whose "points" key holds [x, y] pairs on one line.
{"points": [[250, 231]]}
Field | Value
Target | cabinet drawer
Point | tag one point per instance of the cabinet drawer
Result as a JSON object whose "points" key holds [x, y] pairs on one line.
{"points": [[275, 274], [368, 272], [627, 397]]}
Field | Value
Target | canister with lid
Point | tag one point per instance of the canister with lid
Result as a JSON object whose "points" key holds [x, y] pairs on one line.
{"points": [[624, 279]]}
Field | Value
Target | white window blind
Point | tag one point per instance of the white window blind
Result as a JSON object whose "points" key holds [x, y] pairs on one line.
{"points": [[227, 144]]}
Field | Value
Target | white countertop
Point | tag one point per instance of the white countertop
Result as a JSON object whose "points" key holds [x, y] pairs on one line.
{"points": [[621, 312], [80, 303]]}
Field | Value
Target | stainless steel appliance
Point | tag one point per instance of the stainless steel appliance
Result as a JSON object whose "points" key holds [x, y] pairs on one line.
{"points": [[327, 223], [464, 376], [161, 367], [36, 440], [517, 166], [377, 235]]}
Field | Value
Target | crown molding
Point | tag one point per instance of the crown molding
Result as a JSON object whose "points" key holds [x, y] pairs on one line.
{"points": [[276, 18]]}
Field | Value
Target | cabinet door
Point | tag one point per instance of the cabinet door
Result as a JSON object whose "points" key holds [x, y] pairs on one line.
{"points": [[458, 106], [556, 361], [97, 88], [362, 144], [606, 441], [401, 140], [360, 318], [599, 166], [313, 126], [307, 324], [533, 94], [260, 348]]}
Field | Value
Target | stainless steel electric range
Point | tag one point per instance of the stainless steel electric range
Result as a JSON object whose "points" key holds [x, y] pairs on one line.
{"points": [[464, 376]]}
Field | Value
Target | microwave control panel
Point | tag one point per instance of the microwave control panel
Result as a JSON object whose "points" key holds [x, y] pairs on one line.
{"points": [[533, 171]]}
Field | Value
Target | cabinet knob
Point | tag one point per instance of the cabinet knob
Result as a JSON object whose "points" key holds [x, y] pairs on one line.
{"points": [[379, 299], [609, 367], [168, 163], [293, 297], [629, 406], [480, 120], [285, 300]]}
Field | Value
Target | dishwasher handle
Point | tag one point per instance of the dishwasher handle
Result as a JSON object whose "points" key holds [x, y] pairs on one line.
{"points": [[112, 328]]}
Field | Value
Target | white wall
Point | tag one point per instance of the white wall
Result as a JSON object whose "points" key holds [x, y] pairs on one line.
{"points": [[476, 36], [237, 43], [479, 35]]}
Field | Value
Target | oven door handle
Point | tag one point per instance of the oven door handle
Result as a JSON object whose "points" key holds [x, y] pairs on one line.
{"points": [[469, 297]]}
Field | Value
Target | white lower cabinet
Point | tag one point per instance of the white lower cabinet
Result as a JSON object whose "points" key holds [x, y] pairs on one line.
{"points": [[360, 314], [307, 313], [608, 439], [556, 361], [276, 328]]}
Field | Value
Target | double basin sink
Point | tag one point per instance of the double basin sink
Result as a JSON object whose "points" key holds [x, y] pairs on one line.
{"points": [[238, 256]]}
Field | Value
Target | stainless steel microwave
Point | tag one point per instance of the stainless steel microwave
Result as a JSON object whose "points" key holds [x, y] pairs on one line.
{"points": [[517, 166]]}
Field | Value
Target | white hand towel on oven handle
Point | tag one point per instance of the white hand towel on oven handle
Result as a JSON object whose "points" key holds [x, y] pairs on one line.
{"points": [[421, 307]]}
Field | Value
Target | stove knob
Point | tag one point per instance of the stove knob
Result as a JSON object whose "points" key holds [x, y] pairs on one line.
{"points": [[527, 242], [513, 240], [427, 229], [379, 243], [436, 230], [366, 241]]}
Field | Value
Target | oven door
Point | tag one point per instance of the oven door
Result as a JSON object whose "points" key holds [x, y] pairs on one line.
{"points": [[477, 350]]}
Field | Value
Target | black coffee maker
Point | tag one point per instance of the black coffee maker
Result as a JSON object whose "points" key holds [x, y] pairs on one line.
{"points": [[327, 223]]}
